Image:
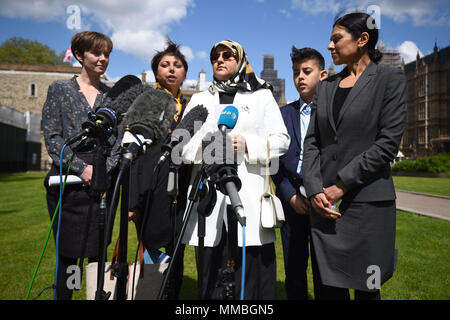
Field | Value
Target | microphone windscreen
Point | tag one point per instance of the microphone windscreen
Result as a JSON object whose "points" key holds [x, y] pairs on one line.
{"points": [[122, 85], [228, 117], [124, 101], [197, 114], [154, 109]]}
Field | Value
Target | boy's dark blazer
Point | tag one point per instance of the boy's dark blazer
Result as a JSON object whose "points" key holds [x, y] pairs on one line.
{"points": [[286, 179]]}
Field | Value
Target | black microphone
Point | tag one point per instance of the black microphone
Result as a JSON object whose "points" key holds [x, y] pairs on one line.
{"points": [[229, 182], [146, 122], [100, 123], [120, 87], [125, 99], [83, 134], [106, 117], [198, 114], [225, 175]]}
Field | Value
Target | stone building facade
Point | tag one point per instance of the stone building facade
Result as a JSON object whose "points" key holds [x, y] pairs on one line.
{"points": [[23, 88], [428, 105], [23, 91], [271, 75]]}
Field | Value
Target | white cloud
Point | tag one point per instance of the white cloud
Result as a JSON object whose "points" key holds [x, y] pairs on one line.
{"points": [[408, 51], [418, 11], [35, 9], [202, 55], [187, 52], [285, 12], [150, 76], [316, 6], [135, 26]]}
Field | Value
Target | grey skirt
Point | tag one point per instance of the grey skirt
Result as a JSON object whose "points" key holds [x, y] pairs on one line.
{"points": [[356, 250]]}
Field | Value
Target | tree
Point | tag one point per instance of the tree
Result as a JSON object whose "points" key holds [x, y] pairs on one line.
{"points": [[20, 50]]}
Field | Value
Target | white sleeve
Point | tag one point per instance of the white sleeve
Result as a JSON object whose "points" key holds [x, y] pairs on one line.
{"points": [[274, 128]]}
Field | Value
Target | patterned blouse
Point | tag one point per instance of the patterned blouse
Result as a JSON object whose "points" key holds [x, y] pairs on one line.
{"points": [[65, 109]]}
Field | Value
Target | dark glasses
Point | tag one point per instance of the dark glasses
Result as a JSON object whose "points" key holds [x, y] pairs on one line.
{"points": [[226, 55]]}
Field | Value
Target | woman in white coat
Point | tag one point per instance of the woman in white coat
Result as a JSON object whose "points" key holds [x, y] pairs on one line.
{"points": [[259, 121]]}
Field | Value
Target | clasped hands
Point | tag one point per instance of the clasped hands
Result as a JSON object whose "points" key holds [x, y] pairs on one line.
{"points": [[323, 201]]}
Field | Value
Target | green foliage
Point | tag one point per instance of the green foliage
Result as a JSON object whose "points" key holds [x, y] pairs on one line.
{"points": [[436, 164], [24, 51]]}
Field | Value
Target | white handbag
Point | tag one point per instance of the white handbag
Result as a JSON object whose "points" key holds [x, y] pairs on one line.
{"points": [[144, 287], [271, 209]]}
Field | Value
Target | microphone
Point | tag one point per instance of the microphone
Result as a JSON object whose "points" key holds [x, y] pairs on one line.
{"points": [[225, 175], [105, 117], [147, 120], [228, 118], [120, 87], [198, 114], [125, 99], [229, 182], [102, 122]]}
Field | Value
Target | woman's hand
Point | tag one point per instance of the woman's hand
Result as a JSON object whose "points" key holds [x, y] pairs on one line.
{"points": [[335, 192], [86, 175], [299, 204], [322, 206], [239, 143], [134, 215]]}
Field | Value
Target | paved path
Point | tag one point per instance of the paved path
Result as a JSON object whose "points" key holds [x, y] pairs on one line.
{"points": [[429, 205]]}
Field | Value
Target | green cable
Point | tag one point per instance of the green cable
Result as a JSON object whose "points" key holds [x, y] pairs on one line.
{"points": [[48, 234]]}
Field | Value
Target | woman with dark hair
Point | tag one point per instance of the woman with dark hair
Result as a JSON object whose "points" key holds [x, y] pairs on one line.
{"points": [[259, 121], [170, 68], [357, 121], [161, 226], [66, 108]]}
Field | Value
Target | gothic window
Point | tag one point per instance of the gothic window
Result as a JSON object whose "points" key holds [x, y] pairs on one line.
{"points": [[421, 111]]}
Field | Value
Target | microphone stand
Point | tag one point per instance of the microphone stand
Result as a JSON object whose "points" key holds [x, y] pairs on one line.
{"points": [[173, 191], [99, 187], [120, 270], [193, 197], [223, 178], [201, 230]]}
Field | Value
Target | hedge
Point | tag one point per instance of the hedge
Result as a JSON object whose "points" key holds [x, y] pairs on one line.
{"points": [[435, 164]]}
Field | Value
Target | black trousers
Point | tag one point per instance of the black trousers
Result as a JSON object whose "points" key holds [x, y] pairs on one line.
{"points": [[295, 236], [176, 277], [62, 289], [260, 271]]}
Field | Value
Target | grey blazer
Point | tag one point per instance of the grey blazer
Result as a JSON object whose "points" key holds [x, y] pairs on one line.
{"points": [[357, 150], [359, 147]]}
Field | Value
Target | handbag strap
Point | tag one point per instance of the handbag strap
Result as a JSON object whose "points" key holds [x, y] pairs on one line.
{"points": [[268, 188], [116, 255]]}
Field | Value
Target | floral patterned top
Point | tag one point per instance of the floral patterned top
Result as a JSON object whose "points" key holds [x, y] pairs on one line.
{"points": [[65, 109]]}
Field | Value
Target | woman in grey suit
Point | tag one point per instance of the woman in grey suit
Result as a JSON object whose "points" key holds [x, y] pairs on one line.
{"points": [[357, 121]]}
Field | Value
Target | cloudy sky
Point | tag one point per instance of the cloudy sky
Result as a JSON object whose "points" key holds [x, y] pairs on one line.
{"points": [[139, 27]]}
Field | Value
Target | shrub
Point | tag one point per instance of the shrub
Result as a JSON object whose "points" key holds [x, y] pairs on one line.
{"points": [[436, 164]]}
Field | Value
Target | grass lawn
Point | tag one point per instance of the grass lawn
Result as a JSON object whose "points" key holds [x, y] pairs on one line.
{"points": [[422, 269], [439, 186]]}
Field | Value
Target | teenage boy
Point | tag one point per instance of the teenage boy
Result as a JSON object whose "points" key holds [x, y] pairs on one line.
{"points": [[308, 70]]}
